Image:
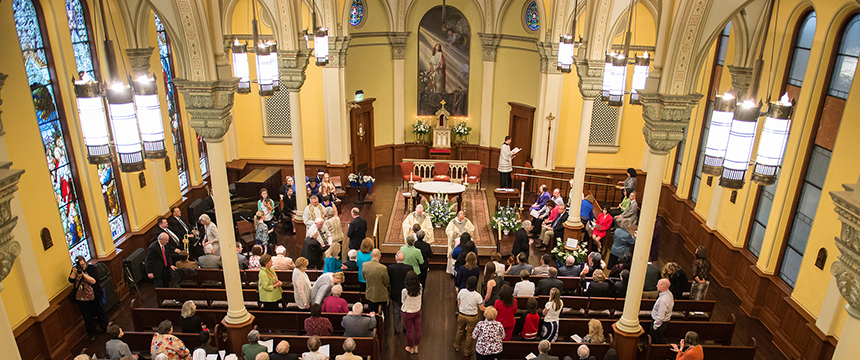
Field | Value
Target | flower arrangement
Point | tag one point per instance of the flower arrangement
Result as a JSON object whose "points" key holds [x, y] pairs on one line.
{"points": [[561, 254], [440, 209], [506, 218], [420, 127], [360, 180], [462, 130]]}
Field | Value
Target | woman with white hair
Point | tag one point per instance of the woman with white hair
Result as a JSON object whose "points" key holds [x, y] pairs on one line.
{"points": [[211, 234]]}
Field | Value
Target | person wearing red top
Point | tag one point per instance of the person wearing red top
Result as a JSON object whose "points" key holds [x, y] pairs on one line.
{"points": [[335, 303], [316, 324], [506, 305], [601, 224], [693, 352], [531, 325]]}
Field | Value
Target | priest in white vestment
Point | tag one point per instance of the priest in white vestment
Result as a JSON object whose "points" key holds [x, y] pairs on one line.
{"points": [[313, 211], [457, 227], [418, 217]]}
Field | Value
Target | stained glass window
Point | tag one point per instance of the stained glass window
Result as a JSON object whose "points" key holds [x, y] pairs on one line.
{"points": [[356, 12], [78, 24], [172, 102], [36, 63], [201, 149], [532, 17]]}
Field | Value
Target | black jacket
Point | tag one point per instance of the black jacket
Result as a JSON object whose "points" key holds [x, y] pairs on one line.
{"points": [[426, 252], [652, 276], [356, 232], [396, 279], [174, 225], [558, 226], [313, 251], [599, 289], [521, 243], [545, 285], [154, 259], [351, 266]]}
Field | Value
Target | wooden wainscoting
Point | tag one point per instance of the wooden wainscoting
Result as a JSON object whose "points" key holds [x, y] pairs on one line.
{"points": [[762, 296], [53, 333], [237, 169], [387, 155]]}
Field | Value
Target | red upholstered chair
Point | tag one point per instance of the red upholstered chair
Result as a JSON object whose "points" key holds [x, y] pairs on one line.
{"points": [[441, 172], [473, 174], [406, 169]]}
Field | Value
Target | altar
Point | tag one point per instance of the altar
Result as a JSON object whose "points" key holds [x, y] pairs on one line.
{"points": [[441, 132]]}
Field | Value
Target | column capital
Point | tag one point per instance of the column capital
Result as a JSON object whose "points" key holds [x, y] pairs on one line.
{"points": [[337, 46], [2, 82], [665, 116], [209, 105], [741, 80], [292, 65], [590, 74], [490, 44], [9, 247], [139, 60], [548, 52], [398, 44], [847, 268]]}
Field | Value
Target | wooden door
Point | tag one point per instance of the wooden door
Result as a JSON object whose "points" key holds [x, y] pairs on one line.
{"points": [[361, 134], [521, 124]]}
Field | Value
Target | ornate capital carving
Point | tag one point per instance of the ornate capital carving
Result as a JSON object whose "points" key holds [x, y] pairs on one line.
{"points": [[2, 81], [741, 79], [293, 64], [139, 59], [398, 44], [847, 268], [9, 248], [337, 46], [665, 118], [548, 52], [209, 105], [590, 74], [490, 43]]}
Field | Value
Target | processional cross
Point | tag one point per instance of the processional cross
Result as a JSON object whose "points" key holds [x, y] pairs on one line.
{"points": [[549, 118]]}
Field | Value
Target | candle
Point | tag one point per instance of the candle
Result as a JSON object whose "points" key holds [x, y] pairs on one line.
{"points": [[410, 176], [522, 192]]}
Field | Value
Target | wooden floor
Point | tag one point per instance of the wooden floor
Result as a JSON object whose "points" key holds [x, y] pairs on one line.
{"points": [[439, 307]]}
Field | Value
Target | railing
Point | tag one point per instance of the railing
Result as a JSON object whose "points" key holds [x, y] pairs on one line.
{"points": [[605, 191], [425, 168]]}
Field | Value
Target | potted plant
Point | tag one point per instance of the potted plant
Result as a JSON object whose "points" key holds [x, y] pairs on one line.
{"points": [[367, 181], [360, 180], [561, 253], [462, 131], [440, 209], [420, 128], [506, 219]]}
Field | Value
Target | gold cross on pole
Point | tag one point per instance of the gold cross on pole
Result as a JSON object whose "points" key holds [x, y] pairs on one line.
{"points": [[442, 102], [549, 118]]}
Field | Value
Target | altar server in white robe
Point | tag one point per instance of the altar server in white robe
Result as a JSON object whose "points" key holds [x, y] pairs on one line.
{"points": [[418, 217], [457, 227], [313, 211]]}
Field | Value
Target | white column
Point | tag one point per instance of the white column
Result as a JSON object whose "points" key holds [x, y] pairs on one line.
{"points": [[344, 115], [830, 309], [848, 346], [236, 312], [547, 138], [157, 171], [399, 100], [714, 211], [333, 101], [7, 337], [487, 102], [629, 322], [231, 145], [581, 157], [298, 152]]}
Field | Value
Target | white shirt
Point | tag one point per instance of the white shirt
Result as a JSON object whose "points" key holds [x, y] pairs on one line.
{"points": [[469, 301], [551, 315], [500, 269], [411, 304], [325, 236], [662, 310], [524, 288]]}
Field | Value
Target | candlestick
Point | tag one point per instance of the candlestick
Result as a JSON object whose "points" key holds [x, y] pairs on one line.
{"points": [[522, 192]]}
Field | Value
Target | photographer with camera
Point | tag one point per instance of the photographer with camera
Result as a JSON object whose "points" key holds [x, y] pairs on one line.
{"points": [[88, 296]]}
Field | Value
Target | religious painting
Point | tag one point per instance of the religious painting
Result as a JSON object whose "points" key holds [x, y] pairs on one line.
{"points": [[444, 37]]}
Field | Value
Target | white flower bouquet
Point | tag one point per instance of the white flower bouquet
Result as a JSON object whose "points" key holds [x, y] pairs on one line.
{"points": [[561, 254], [462, 129], [421, 127], [506, 219], [440, 209]]}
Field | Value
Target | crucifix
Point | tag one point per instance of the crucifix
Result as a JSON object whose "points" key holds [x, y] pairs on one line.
{"points": [[549, 118]]}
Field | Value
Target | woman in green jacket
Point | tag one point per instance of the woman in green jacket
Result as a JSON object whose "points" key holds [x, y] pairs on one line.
{"points": [[268, 284]]}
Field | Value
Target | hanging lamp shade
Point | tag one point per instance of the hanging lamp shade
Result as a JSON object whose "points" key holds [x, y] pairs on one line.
{"points": [[565, 53], [774, 137], [718, 134], [740, 145], [617, 79], [91, 111], [321, 46], [640, 74], [240, 66], [126, 136], [607, 69], [149, 117], [264, 80], [274, 72]]}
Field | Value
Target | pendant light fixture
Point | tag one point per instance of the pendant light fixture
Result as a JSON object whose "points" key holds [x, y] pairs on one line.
{"points": [[240, 66], [149, 117], [740, 145], [126, 135], [718, 134], [617, 79], [607, 69], [615, 70], [274, 72], [774, 137], [321, 45], [640, 74], [91, 111], [566, 46], [263, 77]]}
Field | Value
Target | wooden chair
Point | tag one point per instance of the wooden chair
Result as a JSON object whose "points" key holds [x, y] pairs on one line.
{"points": [[339, 192], [407, 171], [245, 230], [441, 171], [473, 174]]}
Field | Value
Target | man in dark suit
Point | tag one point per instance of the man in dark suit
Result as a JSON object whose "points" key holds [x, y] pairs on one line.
{"points": [[174, 241], [543, 348], [181, 228], [621, 286], [557, 228], [550, 282], [158, 263], [584, 353], [397, 278], [521, 239], [356, 231], [313, 251], [569, 268], [426, 253]]}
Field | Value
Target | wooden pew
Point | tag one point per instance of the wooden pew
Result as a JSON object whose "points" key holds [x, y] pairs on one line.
{"points": [[571, 284], [517, 350], [719, 333], [215, 277], [141, 341], [211, 297], [664, 351], [578, 306]]}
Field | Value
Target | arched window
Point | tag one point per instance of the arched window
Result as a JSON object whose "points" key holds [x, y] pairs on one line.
{"points": [[793, 82], [79, 25], [531, 18], [356, 13], [172, 102], [204, 159], [820, 149], [37, 62]]}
